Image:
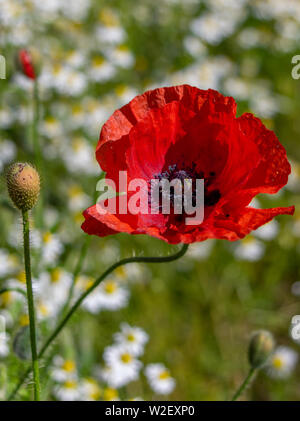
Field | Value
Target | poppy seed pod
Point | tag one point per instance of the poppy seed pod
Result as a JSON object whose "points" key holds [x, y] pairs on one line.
{"points": [[23, 183], [260, 348]]}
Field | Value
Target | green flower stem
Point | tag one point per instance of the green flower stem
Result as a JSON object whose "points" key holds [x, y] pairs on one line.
{"points": [[37, 146], [245, 383], [77, 271], [19, 290], [31, 312], [79, 301]]}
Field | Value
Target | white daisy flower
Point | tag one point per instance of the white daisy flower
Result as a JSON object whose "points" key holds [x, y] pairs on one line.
{"points": [[89, 390], [199, 251], [282, 362], [249, 249], [110, 394], [112, 296], [7, 152], [68, 391], [51, 247], [109, 295], [109, 30], [159, 379], [79, 157], [8, 263], [6, 118], [63, 370], [122, 366], [101, 70], [51, 127], [4, 347], [78, 200], [52, 291], [121, 56], [267, 231], [132, 338]]}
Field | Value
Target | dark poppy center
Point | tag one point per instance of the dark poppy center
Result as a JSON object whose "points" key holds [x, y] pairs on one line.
{"points": [[174, 172]]}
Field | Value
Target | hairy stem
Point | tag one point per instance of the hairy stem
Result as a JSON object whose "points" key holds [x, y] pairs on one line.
{"points": [[79, 301], [31, 311], [37, 147], [244, 384]]}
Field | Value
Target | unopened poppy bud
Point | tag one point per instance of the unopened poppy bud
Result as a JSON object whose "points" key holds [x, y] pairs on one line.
{"points": [[23, 183], [260, 348], [25, 63]]}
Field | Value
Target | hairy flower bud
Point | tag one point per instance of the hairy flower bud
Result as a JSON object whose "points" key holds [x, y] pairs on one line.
{"points": [[23, 183], [260, 348]]}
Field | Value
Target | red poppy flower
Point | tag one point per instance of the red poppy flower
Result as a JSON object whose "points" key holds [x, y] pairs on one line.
{"points": [[179, 130], [26, 63]]}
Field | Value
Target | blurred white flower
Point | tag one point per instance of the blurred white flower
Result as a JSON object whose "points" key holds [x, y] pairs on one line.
{"points": [[268, 231], [79, 157], [52, 292], [109, 295], [159, 379], [4, 347], [249, 249], [121, 56], [63, 370], [51, 127], [101, 70], [68, 391], [51, 247], [89, 390], [78, 200], [7, 152], [282, 363], [122, 366], [8, 263], [132, 338]]}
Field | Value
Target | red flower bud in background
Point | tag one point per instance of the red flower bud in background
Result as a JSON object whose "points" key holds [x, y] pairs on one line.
{"points": [[26, 63]]}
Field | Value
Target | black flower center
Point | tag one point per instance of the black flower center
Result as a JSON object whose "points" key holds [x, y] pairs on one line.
{"points": [[174, 172]]}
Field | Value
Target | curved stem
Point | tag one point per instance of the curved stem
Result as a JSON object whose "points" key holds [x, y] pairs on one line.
{"points": [[61, 325], [244, 384], [8, 289], [76, 272], [31, 311]]}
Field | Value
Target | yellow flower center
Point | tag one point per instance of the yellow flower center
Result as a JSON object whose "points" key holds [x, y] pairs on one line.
{"points": [[126, 358], [164, 375], [69, 384], [277, 362], [108, 18], [68, 366], [130, 337], [21, 277], [43, 310], [47, 237], [6, 298], [110, 394], [55, 275], [110, 287], [24, 320], [50, 120], [98, 61]]}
